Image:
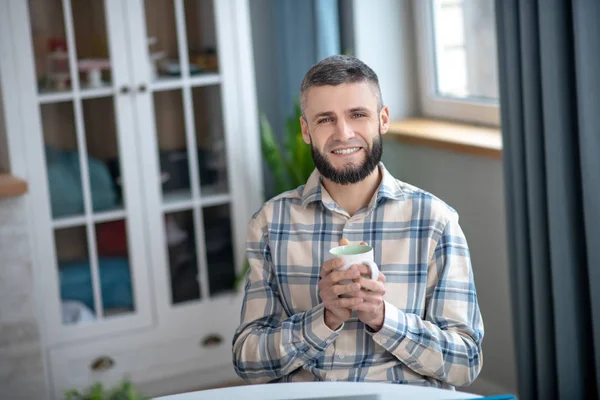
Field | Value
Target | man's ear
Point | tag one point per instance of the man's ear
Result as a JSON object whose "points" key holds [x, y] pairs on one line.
{"points": [[304, 125], [384, 120]]}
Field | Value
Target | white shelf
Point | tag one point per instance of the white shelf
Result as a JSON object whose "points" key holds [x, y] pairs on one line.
{"points": [[109, 216], [215, 200], [181, 200], [81, 220], [69, 222], [62, 96], [205, 80], [97, 93], [166, 83], [54, 97], [177, 200]]}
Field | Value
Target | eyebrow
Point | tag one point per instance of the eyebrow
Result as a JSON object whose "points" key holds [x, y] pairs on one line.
{"points": [[331, 113], [362, 109], [323, 114]]}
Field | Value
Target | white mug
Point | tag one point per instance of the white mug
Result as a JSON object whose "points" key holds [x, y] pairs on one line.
{"points": [[355, 254]]}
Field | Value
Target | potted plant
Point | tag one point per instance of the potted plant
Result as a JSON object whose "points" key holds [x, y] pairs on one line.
{"points": [[290, 164], [123, 391]]}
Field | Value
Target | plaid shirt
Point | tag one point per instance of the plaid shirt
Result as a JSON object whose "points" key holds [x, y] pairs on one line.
{"points": [[432, 330]]}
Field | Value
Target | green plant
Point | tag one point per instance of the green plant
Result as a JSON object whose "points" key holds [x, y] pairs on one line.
{"points": [[123, 391], [291, 165]]}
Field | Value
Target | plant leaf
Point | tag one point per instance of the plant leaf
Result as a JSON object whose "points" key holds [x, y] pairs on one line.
{"points": [[273, 156]]}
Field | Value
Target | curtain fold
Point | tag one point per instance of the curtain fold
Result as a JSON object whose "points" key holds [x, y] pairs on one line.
{"points": [[549, 61]]}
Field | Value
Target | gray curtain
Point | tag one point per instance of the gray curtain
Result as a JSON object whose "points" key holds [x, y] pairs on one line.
{"points": [[549, 65]]}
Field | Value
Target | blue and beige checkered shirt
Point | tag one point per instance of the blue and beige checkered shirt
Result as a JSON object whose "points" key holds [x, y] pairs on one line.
{"points": [[432, 331]]}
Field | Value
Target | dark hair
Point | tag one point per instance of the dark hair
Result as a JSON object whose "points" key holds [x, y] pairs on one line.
{"points": [[336, 70]]}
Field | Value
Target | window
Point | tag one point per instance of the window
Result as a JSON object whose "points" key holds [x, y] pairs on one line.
{"points": [[456, 42]]}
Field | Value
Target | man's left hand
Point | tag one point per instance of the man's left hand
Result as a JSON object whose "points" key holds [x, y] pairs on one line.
{"points": [[372, 309]]}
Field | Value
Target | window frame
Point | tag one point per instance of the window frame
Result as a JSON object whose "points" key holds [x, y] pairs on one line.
{"points": [[433, 105]]}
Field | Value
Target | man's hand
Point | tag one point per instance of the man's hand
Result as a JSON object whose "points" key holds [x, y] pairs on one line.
{"points": [[338, 309], [371, 311]]}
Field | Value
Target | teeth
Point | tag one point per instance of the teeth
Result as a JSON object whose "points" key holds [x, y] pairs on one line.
{"points": [[347, 151]]}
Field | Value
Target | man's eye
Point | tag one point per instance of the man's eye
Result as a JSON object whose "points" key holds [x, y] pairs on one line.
{"points": [[358, 115], [323, 120]]}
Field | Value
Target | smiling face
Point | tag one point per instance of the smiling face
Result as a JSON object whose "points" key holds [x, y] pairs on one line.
{"points": [[343, 125]]}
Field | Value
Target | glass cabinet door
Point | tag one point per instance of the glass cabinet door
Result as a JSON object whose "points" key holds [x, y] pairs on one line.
{"points": [[89, 160], [190, 147]]}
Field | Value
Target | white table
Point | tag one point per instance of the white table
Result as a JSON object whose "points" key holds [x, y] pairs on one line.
{"points": [[325, 391]]}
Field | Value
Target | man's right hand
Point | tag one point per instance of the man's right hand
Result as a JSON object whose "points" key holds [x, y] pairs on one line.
{"points": [[338, 309]]}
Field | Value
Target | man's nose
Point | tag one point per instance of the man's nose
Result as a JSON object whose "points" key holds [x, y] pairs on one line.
{"points": [[343, 130]]}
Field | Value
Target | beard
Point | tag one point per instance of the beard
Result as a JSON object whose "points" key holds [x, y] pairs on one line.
{"points": [[351, 173]]}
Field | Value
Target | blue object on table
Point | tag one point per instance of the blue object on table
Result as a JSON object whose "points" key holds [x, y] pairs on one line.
{"points": [[115, 282], [64, 181]]}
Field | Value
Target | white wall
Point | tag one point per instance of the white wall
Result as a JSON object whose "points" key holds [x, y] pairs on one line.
{"points": [[22, 374], [3, 142], [474, 187], [384, 39]]}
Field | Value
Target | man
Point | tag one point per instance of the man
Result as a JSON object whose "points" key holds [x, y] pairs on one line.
{"points": [[419, 323]]}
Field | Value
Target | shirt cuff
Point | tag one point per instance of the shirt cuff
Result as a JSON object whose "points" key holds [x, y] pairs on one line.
{"points": [[315, 332], [394, 328]]}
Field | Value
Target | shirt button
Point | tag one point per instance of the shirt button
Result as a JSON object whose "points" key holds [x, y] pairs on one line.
{"points": [[349, 224], [341, 356]]}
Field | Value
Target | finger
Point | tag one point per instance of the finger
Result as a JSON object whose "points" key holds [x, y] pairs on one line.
{"points": [[363, 269], [331, 265], [365, 307], [338, 276], [347, 302], [381, 278], [364, 244], [344, 242], [371, 285], [345, 289], [369, 297], [327, 295], [341, 313]]}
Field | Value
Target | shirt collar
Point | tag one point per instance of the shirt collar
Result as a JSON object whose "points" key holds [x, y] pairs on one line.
{"points": [[389, 188]]}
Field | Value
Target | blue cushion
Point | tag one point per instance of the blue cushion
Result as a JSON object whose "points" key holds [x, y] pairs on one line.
{"points": [[115, 282]]}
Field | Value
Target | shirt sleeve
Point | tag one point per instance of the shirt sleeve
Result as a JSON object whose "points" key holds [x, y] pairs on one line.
{"points": [[270, 344], [446, 343]]}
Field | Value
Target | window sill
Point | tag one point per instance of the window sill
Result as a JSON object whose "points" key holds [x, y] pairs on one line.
{"points": [[11, 186], [463, 138]]}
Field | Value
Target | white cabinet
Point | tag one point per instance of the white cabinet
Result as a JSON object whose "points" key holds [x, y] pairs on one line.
{"points": [[135, 123]]}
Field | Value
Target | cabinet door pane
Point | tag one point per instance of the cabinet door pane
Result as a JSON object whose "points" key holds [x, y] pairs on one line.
{"points": [[183, 260], [93, 288], [114, 268], [92, 170], [212, 160], [172, 146], [70, 45], [75, 276], [219, 249], [106, 181], [201, 37], [63, 166], [181, 39]]}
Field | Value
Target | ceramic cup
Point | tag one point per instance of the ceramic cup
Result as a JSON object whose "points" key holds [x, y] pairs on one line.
{"points": [[355, 254]]}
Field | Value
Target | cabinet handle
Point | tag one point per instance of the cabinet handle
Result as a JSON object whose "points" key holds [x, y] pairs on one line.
{"points": [[103, 363], [142, 88], [211, 340], [124, 89]]}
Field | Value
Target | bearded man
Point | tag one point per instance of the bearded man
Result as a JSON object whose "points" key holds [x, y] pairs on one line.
{"points": [[305, 319]]}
